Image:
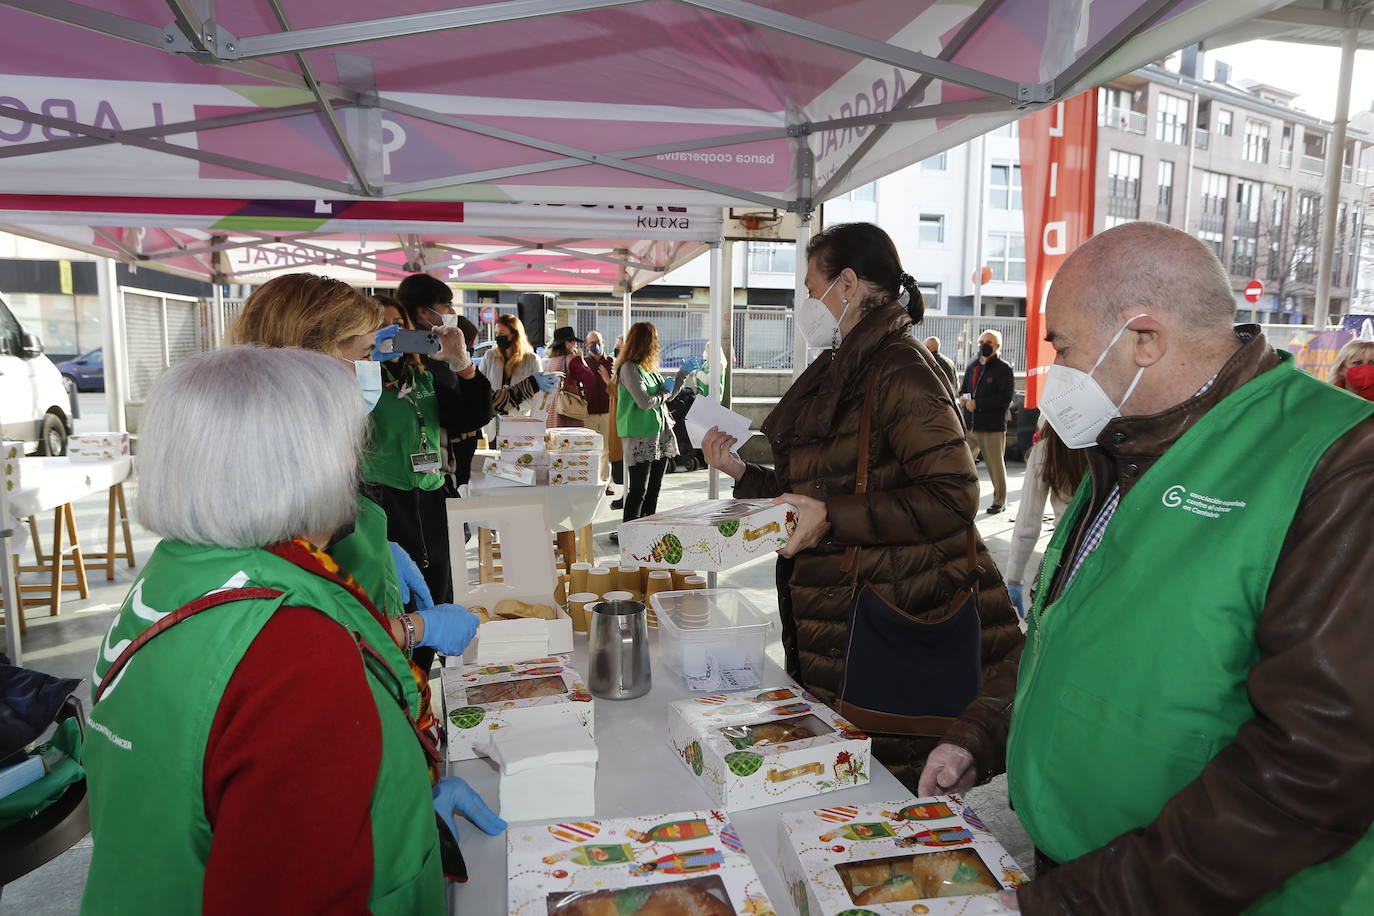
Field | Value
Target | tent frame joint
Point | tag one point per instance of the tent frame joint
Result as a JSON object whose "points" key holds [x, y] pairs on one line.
{"points": [[1035, 93], [215, 42]]}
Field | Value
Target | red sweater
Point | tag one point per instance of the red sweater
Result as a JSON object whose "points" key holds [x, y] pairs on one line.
{"points": [[290, 766]]}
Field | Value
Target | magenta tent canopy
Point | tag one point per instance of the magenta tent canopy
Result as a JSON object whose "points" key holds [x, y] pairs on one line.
{"points": [[776, 104]]}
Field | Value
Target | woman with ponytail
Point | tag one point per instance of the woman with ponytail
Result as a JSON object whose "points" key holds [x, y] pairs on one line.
{"points": [[869, 447]]}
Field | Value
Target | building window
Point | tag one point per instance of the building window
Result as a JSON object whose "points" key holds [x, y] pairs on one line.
{"points": [[932, 229], [1245, 231], [1171, 123], [868, 192], [1114, 109], [1257, 141], [1276, 231], [1306, 231], [1007, 256], [1225, 118], [1123, 187], [773, 257], [1006, 187], [1212, 223], [930, 295], [935, 163], [1165, 205], [1286, 147], [1313, 152]]}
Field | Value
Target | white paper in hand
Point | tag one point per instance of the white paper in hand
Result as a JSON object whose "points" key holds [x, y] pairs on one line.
{"points": [[707, 412]]}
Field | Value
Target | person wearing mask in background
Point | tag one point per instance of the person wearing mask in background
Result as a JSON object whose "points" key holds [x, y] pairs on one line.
{"points": [[646, 430], [906, 533], [512, 361], [265, 753], [599, 415], [1354, 368], [946, 364], [1053, 472], [565, 355], [987, 392], [1190, 725]]}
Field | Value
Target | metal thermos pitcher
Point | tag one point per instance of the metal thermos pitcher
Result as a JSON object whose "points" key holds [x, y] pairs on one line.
{"points": [[618, 650]]}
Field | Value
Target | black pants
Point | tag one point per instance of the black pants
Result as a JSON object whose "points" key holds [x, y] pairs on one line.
{"points": [[462, 453], [418, 521], [641, 498]]}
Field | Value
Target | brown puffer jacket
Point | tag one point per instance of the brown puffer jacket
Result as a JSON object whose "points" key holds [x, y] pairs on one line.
{"points": [[923, 494]]}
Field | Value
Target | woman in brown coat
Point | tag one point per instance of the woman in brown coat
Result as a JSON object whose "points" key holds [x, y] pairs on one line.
{"points": [[907, 532]]}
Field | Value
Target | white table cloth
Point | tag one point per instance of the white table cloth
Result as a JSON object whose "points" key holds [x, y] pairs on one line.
{"points": [[571, 507], [63, 481]]}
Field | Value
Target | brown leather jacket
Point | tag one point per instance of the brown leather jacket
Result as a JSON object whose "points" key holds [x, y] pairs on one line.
{"points": [[910, 526], [1294, 787]]}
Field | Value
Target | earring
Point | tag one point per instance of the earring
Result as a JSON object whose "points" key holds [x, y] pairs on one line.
{"points": [[844, 301]]}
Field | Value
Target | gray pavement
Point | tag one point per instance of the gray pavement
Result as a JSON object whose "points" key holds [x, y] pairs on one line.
{"points": [[67, 645]]}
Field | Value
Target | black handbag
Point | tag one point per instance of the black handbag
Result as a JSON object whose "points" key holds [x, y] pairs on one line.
{"points": [[904, 675]]}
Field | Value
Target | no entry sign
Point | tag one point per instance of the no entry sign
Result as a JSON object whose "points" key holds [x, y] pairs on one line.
{"points": [[1253, 290], [489, 315]]}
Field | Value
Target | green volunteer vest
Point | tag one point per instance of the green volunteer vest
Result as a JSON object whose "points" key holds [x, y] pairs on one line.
{"points": [[145, 748], [1135, 677], [397, 428], [633, 420], [365, 554]]}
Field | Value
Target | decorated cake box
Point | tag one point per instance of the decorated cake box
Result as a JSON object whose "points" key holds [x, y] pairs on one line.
{"points": [[687, 864], [712, 535], [572, 476], [526, 457], [574, 461], [520, 433], [16, 470], [574, 439], [758, 748], [98, 446], [482, 698], [506, 471], [917, 855]]}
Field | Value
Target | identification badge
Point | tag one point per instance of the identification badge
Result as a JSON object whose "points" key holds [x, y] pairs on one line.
{"points": [[424, 462]]}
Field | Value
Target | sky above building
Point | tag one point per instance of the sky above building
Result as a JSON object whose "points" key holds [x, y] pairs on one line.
{"points": [[1309, 70]]}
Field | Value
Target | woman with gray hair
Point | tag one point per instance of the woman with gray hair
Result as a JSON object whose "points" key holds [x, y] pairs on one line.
{"points": [[229, 771]]}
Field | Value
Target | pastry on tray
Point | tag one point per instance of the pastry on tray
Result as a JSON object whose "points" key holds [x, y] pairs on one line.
{"points": [[679, 899]]}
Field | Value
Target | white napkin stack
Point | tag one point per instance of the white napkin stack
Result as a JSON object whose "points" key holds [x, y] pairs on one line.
{"points": [[506, 641], [547, 771]]}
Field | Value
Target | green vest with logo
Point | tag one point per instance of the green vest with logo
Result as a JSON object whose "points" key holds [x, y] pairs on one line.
{"points": [[145, 748], [366, 556], [631, 420], [399, 427], [1135, 677]]}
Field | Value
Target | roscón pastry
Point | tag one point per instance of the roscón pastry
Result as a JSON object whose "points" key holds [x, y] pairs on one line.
{"points": [[664, 900]]}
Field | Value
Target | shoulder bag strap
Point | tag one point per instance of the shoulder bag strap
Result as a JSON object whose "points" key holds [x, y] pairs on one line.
{"points": [[214, 599]]}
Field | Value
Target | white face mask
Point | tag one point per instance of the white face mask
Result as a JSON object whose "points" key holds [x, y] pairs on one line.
{"points": [[816, 322], [449, 321], [369, 376], [1075, 404]]}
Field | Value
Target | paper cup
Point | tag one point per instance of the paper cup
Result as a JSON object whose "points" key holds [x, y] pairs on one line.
{"points": [[599, 580], [579, 571], [628, 580], [680, 576], [577, 608], [563, 589], [617, 596], [693, 581]]}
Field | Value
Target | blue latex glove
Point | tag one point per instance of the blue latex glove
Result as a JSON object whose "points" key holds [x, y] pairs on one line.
{"points": [[448, 628], [546, 381], [693, 364], [385, 333], [1015, 592], [668, 384], [408, 575], [453, 794]]}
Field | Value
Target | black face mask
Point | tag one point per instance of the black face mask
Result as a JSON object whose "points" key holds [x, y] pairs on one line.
{"points": [[503, 341], [985, 350]]}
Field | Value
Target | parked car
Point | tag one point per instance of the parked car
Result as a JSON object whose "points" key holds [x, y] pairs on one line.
{"points": [[86, 372], [675, 354], [35, 407]]}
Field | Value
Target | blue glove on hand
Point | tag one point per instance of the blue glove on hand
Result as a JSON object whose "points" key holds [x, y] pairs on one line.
{"points": [[693, 364], [408, 575], [1015, 592], [668, 384], [385, 333], [448, 628], [546, 381], [453, 794]]}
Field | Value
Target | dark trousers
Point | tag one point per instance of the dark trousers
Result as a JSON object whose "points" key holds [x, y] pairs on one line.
{"points": [[462, 453], [418, 521], [641, 498]]}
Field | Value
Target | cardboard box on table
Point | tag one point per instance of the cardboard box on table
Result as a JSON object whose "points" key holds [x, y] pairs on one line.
{"points": [[711, 535], [481, 699], [575, 439], [515, 473], [760, 747], [525, 457], [886, 858], [521, 522], [15, 470], [627, 866], [98, 446], [563, 478], [574, 461], [520, 433]]}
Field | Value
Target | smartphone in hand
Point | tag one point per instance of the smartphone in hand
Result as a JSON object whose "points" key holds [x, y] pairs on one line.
{"points": [[411, 342]]}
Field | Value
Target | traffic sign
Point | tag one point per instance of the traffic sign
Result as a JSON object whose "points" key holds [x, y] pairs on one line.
{"points": [[1253, 290], [489, 315]]}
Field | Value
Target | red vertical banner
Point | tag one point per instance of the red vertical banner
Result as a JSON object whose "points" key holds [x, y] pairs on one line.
{"points": [[1058, 180]]}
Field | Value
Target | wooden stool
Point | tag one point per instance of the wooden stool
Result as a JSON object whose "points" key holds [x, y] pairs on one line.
{"points": [[58, 561], [119, 511]]}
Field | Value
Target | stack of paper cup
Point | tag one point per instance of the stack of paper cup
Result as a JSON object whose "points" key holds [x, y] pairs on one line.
{"points": [[618, 596], [659, 580], [599, 581], [577, 608], [693, 581], [578, 571], [628, 580], [563, 589], [680, 576], [693, 611]]}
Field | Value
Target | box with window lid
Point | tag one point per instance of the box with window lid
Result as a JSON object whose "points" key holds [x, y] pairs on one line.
{"points": [[506, 470], [574, 439], [761, 747], [481, 699], [520, 433], [914, 855], [98, 446], [689, 863], [711, 535], [575, 461]]}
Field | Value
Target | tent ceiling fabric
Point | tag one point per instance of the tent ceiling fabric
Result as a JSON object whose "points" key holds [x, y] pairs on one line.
{"points": [[777, 103], [1316, 22]]}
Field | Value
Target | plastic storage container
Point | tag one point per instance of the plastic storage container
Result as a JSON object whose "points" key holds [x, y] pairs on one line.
{"points": [[713, 638]]}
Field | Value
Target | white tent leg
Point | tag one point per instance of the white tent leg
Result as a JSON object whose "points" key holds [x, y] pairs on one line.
{"points": [[112, 318], [624, 313], [217, 316], [798, 341], [719, 284], [9, 580], [1335, 161]]}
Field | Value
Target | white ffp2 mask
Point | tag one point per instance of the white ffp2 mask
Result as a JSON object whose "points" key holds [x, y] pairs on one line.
{"points": [[1074, 403], [817, 325], [449, 321]]}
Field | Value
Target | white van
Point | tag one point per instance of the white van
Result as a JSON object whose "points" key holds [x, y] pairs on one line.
{"points": [[34, 404]]}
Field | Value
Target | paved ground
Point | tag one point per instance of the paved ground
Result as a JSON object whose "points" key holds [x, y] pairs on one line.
{"points": [[66, 645]]}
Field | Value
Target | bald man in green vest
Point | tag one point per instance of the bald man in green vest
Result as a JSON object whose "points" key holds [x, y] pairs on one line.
{"points": [[1190, 725]]}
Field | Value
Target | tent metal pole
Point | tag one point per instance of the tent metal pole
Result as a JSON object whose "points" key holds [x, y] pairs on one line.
{"points": [[978, 229], [725, 328], [217, 305], [804, 229], [1335, 161], [1134, 22], [9, 581], [625, 295], [720, 284], [94, 19], [112, 332]]}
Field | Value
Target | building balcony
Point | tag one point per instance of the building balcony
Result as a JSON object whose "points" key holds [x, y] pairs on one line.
{"points": [[1312, 165], [1201, 139], [1131, 122], [1285, 158]]}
